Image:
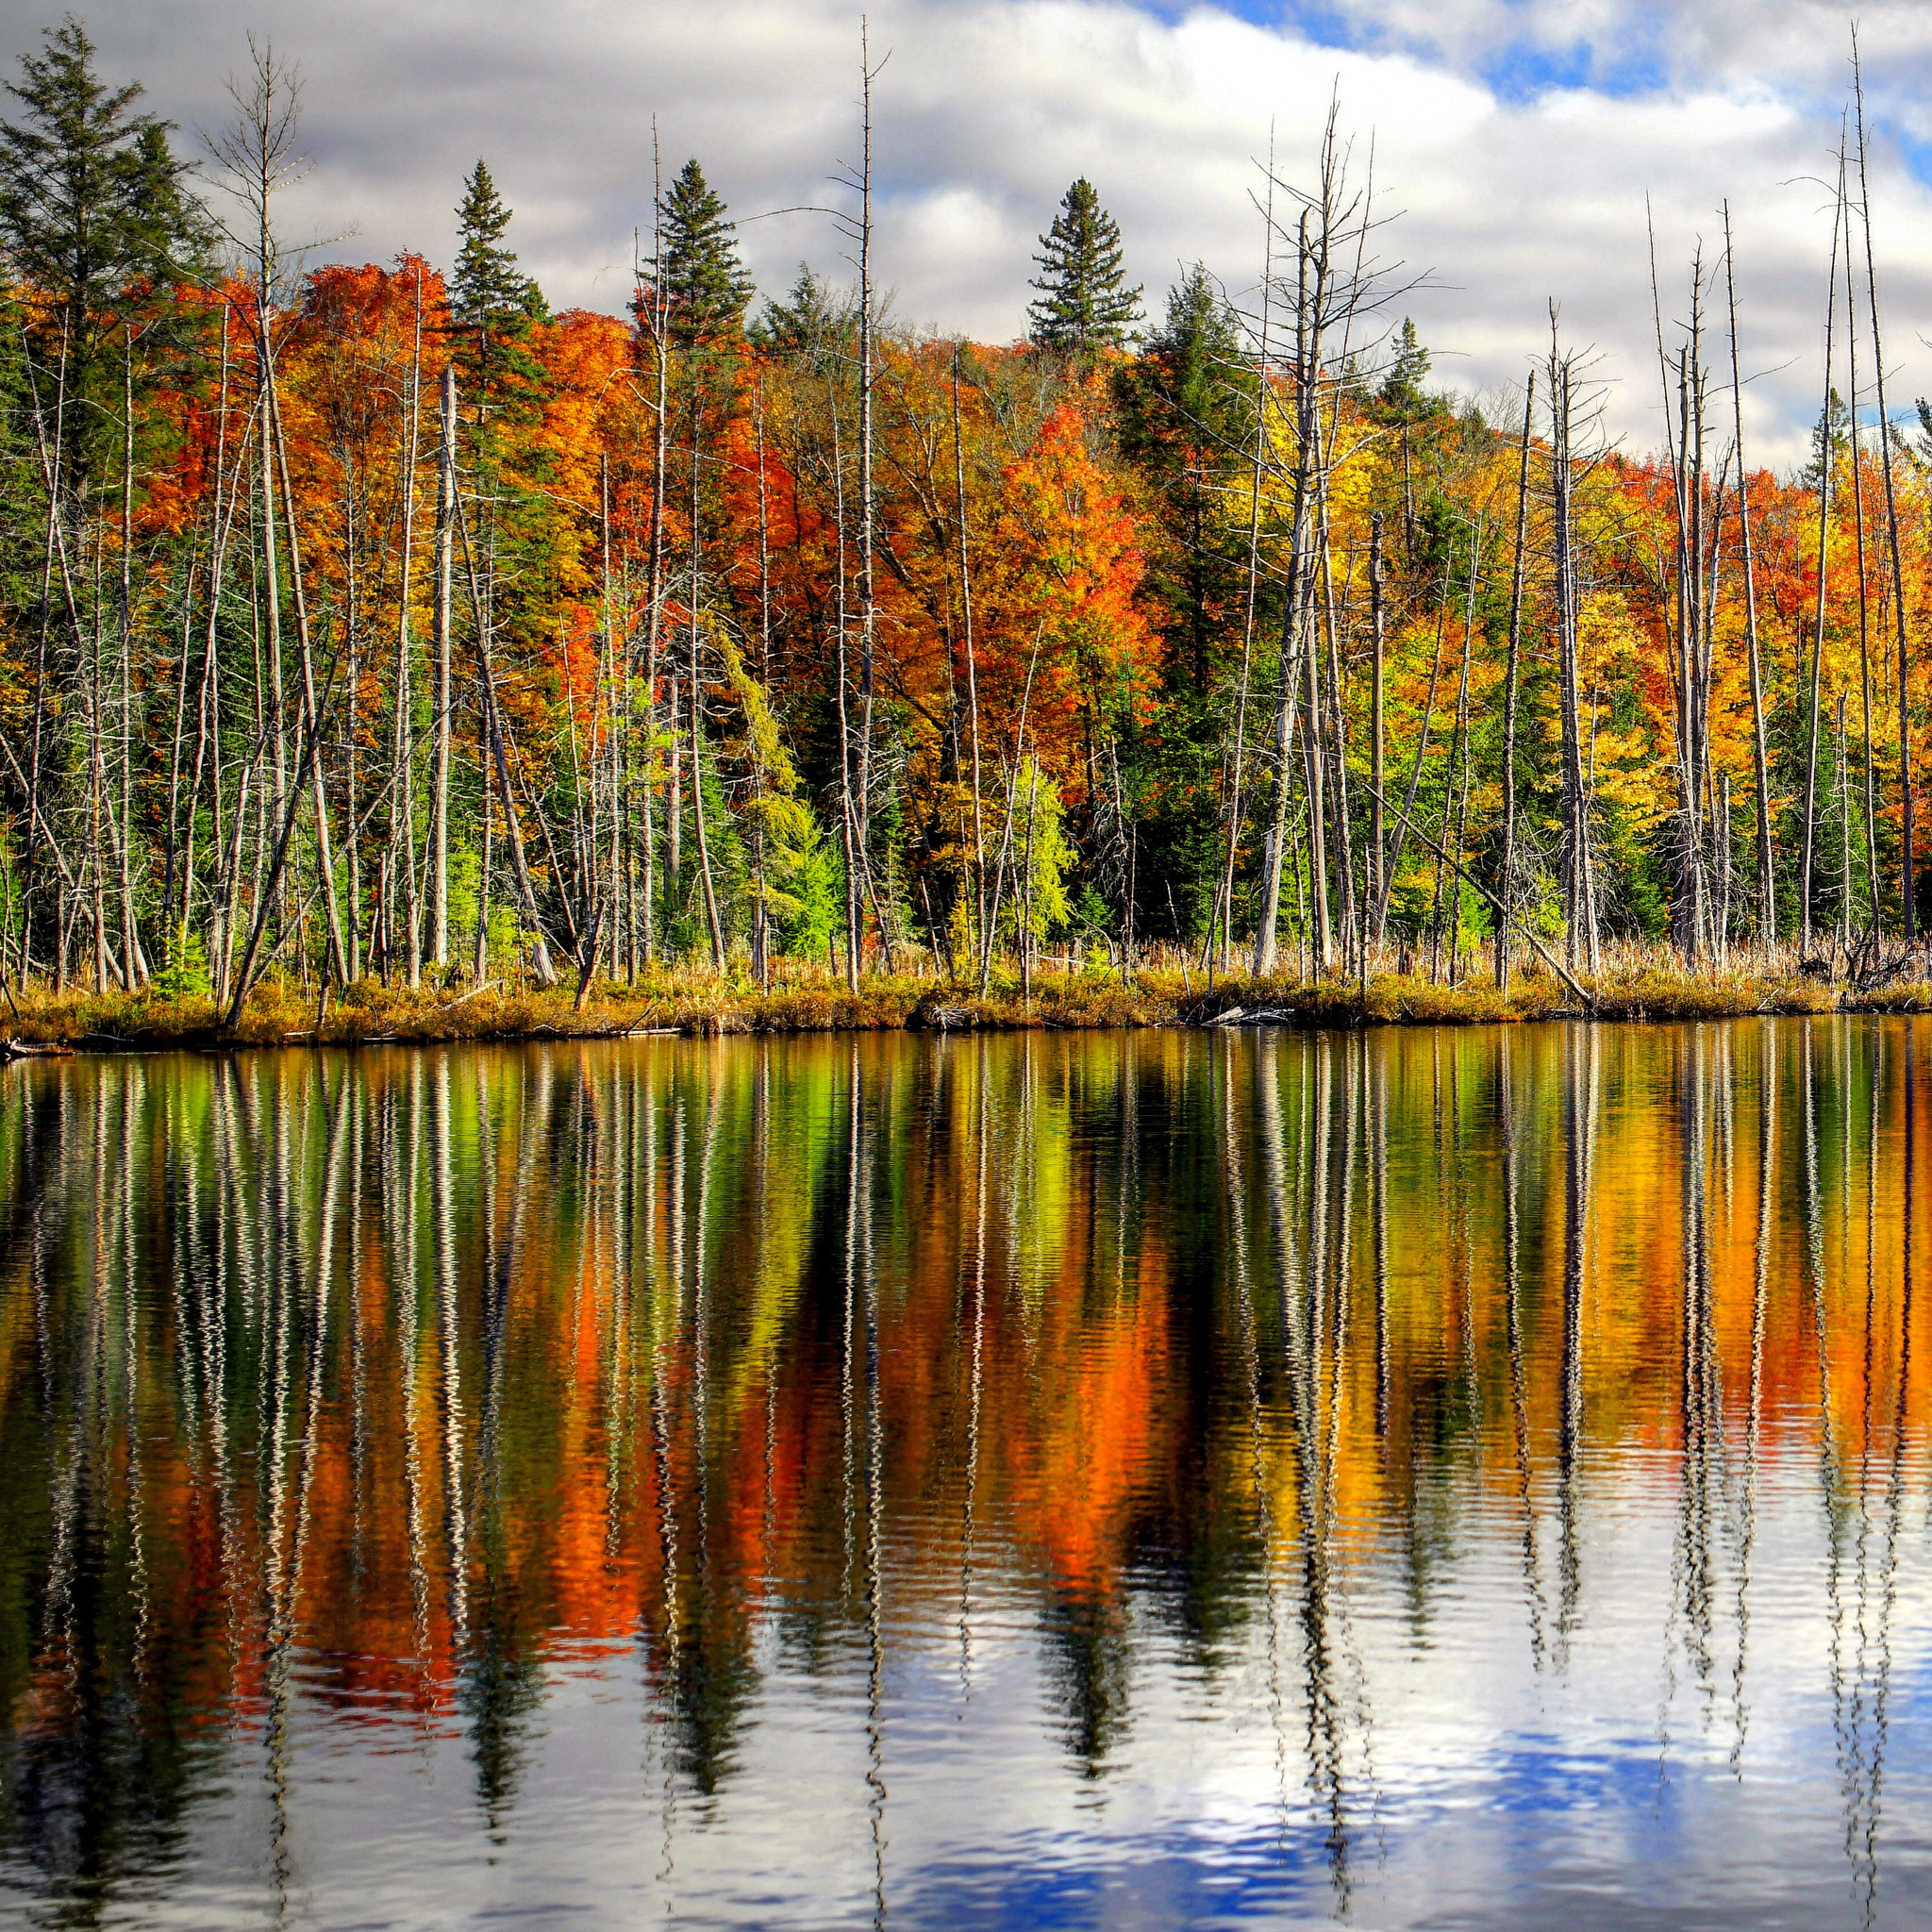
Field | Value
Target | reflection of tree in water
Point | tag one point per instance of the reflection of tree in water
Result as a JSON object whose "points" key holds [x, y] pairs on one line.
{"points": [[1702, 1457], [500, 1683], [1312, 1245], [1744, 1533], [1089, 1671], [709, 1688], [96, 1790], [715, 1355], [703, 1668], [98, 1779], [1534, 1603], [1578, 1106], [1201, 1531], [498, 1691], [1864, 1526]]}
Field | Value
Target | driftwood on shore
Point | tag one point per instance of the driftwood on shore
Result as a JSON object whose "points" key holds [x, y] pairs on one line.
{"points": [[34, 1049]]}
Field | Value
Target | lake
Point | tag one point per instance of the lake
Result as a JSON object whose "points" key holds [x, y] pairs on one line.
{"points": [[1463, 1479]]}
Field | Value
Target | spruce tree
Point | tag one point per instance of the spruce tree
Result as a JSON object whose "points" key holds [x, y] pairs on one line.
{"points": [[707, 284], [93, 204], [1186, 412], [492, 302], [1401, 395], [501, 385], [1830, 440], [803, 324], [1084, 303], [1199, 363]]}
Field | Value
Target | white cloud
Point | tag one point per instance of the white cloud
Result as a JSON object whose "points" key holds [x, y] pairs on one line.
{"points": [[988, 107]]}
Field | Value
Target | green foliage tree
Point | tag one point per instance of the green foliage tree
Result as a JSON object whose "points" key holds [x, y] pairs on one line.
{"points": [[1084, 303], [1402, 397], [492, 303], [1186, 414], [1043, 855], [1187, 409], [706, 282], [1830, 440], [93, 204], [805, 322]]}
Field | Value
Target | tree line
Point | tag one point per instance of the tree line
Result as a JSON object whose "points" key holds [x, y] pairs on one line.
{"points": [[380, 622]]}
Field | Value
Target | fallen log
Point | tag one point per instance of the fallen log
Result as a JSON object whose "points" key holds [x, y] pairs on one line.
{"points": [[34, 1049]]}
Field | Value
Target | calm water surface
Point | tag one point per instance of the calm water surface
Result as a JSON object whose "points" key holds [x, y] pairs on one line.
{"points": [[1472, 1478]]}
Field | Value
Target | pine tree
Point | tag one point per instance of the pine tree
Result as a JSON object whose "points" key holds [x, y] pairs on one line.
{"points": [[1084, 304], [491, 301], [706, 282], [1186, 407]]}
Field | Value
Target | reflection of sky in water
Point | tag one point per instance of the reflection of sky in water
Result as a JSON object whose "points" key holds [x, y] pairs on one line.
{"points": [[1662, 1682], [1575, 1813], [1476, 1791]]}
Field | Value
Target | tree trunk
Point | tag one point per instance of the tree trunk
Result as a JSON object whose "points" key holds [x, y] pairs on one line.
{"points": [[1805, 910], [1907, 857], [442, 720], [1767, 904], [1510, 687]]}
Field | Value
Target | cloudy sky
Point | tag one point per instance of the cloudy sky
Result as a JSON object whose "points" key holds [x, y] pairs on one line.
{"points": [[1517, 138]]}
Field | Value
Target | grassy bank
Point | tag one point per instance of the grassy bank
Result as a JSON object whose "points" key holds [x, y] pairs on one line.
{"points": [[286, 1014]]}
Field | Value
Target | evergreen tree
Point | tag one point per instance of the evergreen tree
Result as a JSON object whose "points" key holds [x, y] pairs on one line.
{"points": [[92, 197], [1186, 415], [1084, 303], [1197, 363], [707, 284], [1830, 434], [803, 324], [1401, 395], [492, 302], [93, 204]]}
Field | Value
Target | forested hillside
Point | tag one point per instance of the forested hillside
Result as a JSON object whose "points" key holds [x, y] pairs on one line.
{"points": [[380, 622]]}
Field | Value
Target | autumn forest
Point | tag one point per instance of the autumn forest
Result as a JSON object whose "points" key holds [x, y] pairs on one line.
{"points": [[380, 624]]}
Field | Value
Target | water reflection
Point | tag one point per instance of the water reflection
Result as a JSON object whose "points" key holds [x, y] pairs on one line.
{"points": [[1408, 1477]]}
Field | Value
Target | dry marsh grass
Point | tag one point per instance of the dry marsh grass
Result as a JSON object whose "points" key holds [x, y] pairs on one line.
{"points": [[1169, 994]]}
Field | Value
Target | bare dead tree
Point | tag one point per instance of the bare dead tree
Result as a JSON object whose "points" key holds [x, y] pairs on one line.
{"points": [[1909, 893], [1767, 902]]}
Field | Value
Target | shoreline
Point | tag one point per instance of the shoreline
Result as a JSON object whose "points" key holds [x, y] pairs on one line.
{"points": [[368, 1014]]}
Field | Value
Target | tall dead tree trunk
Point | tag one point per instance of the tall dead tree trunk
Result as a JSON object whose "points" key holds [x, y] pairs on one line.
{"points": [[1235, 799], [496, 740], [971, 654], [1767, 902], [1578, 912], [1908, 885], [1826, 458], [1511, 686], [402, 804], [442, 718], [1870, 789], [1374, 892]]}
